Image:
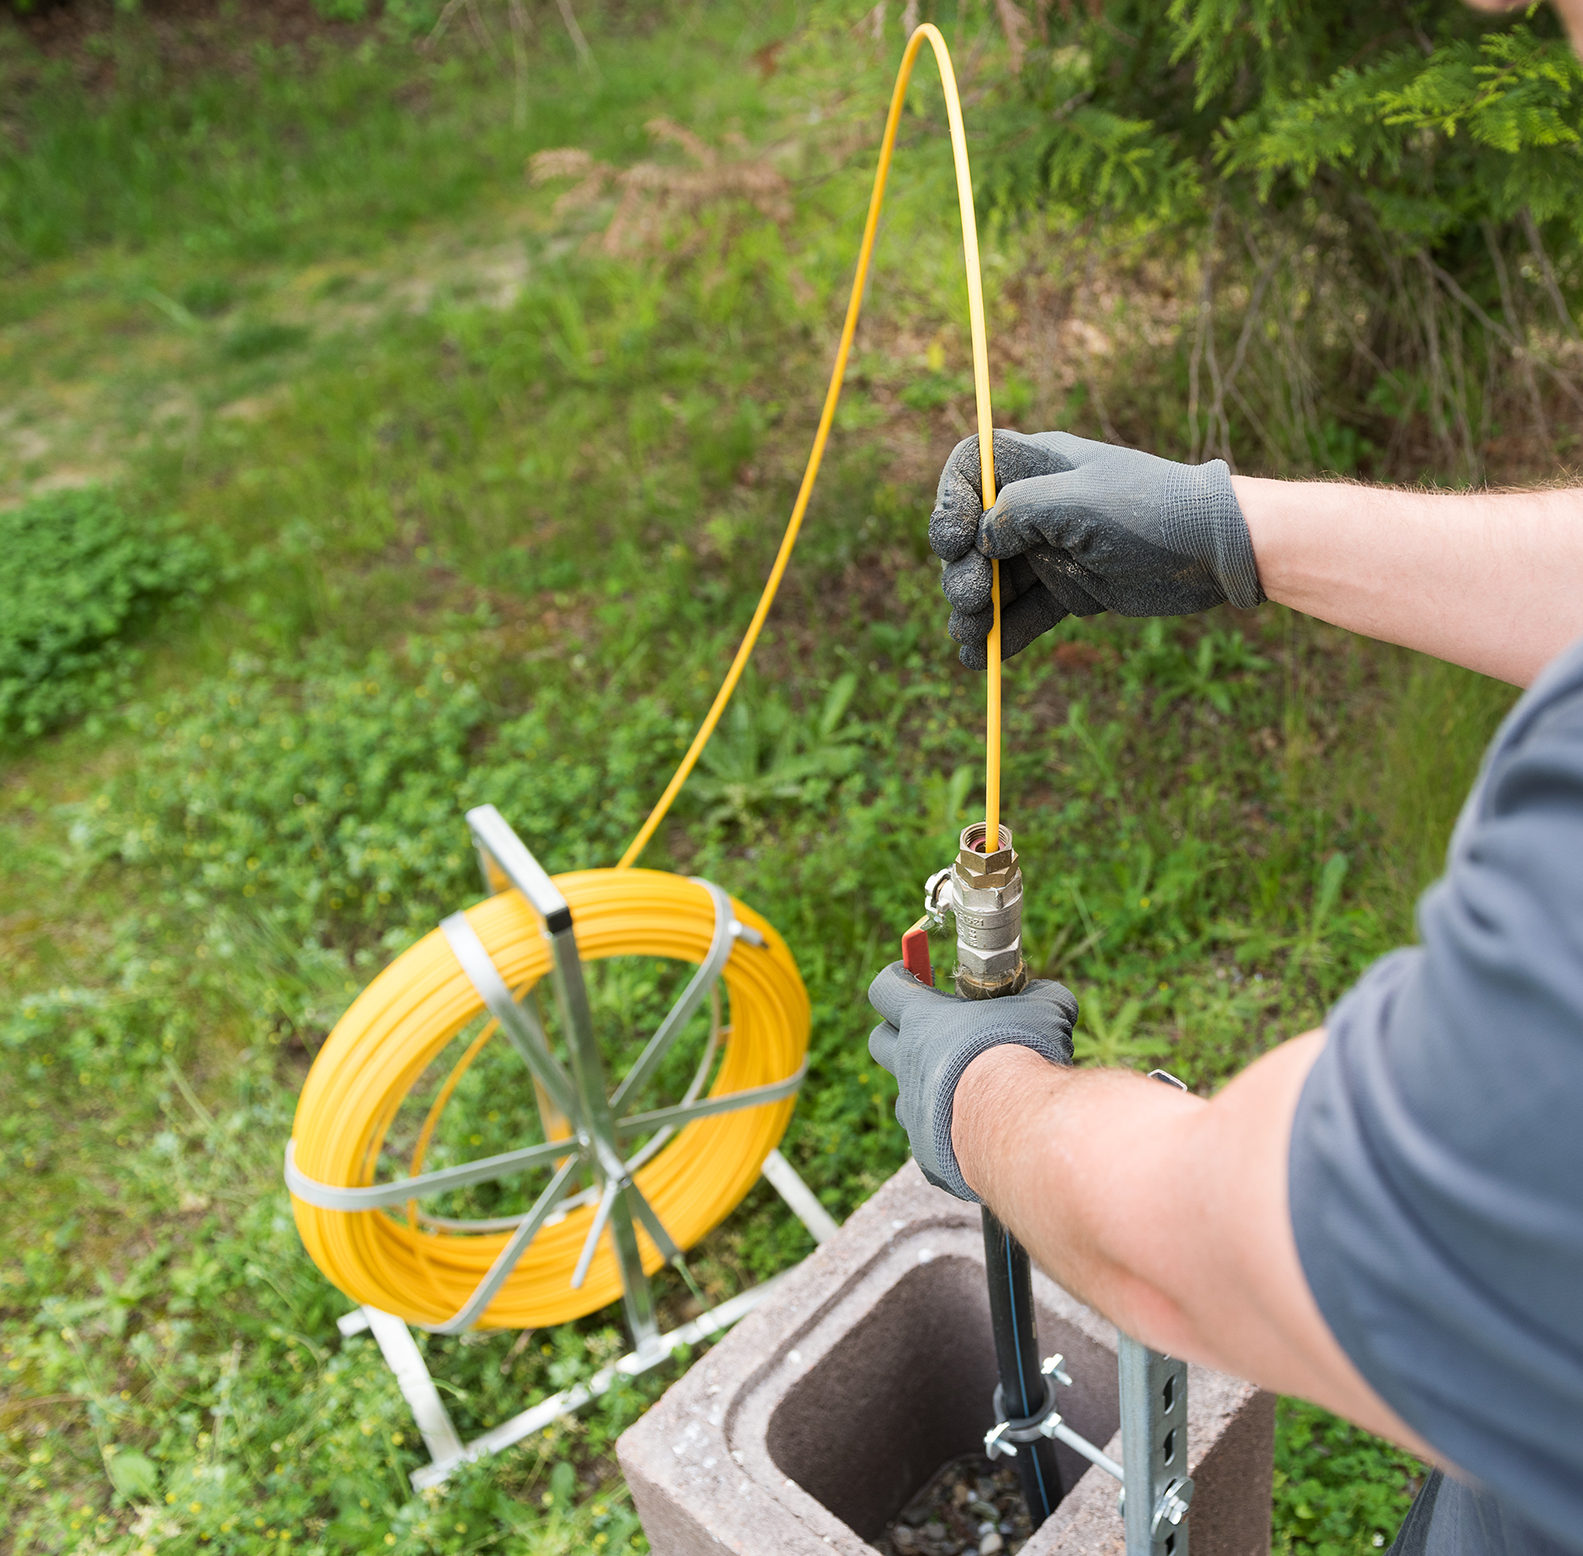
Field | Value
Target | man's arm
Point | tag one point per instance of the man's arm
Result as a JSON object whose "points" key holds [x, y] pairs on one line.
{"points": [[1490, 581], [1165, 1212]]}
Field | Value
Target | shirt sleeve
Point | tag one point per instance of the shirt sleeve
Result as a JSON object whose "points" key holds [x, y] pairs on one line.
{"points": [[1436, 1164]]}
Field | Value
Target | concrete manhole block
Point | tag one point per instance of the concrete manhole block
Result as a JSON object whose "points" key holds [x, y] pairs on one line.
{"points": [[816, 1420]]}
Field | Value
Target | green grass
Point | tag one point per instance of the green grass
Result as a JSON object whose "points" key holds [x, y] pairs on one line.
{"points": [[489, 506]]}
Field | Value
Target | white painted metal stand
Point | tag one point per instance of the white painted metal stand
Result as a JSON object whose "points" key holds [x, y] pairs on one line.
{"points": [[440, 1437]]}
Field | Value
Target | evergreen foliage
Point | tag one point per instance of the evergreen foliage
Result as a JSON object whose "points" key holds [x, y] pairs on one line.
{"points": [[1401, 176], [1436, 115]]}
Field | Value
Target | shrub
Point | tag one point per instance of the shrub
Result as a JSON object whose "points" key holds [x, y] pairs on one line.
{"points": [[78, 578], [1381, 200]]}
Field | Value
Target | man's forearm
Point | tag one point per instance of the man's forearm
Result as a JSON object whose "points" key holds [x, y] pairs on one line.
{"points": [[1490, 581], [1165, 1213]]}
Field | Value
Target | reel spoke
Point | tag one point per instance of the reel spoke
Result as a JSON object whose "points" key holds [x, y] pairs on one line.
{"points": [[376, 1196], [517, 1021], [607, 1198], [652, 1223], [691, 997], [506, 1261], [728, 1102]]}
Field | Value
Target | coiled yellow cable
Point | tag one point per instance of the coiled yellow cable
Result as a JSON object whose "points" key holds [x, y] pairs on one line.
{"points": [[405, 1018]]}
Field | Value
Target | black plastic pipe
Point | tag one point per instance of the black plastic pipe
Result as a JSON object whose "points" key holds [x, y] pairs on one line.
{"points": [[1022, 1382]]}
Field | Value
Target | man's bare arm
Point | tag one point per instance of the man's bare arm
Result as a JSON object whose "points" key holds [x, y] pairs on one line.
{"points": [[1166, 1213], [1490, 581]]}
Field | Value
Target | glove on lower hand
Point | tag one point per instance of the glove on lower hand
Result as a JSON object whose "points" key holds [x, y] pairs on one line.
{"points": [[928, 1038], [1085, 527]]}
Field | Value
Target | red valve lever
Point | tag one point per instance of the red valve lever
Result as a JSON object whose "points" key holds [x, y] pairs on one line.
{"points": [[915, 952]]}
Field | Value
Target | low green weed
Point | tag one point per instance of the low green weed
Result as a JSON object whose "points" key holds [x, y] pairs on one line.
{"points": [[765, 754], [1338, 1491], [322, 802], [1445, 716], [79, 579], [1210, 669]]}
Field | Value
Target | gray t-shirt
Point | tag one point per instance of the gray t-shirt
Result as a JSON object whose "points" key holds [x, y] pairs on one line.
{"points": [[1437, 1151]]}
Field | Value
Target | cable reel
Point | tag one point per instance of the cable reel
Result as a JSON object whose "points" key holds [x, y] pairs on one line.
{"points": [[626, 1191]]}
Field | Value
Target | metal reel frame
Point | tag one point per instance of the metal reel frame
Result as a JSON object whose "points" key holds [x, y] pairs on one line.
{"points": [[574, 1099]]}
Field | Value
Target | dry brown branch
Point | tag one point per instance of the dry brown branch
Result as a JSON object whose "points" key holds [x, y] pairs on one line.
{"points": [[1437, 374], [1215, 421], [480, 27], [1250, 317], [1092, 339], [1202, 326], [1261, 429], [585, 55], [570, 162], [1563, 381], [1541, 254], [442, 23], [1204, 323], [1509, 308], [520, 26], [667, 129], [1229, 388], [1015, 26], [647, 192]]}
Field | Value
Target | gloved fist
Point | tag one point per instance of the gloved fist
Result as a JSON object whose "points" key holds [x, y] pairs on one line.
{"points": [[928, 1038], [1081, 527]]}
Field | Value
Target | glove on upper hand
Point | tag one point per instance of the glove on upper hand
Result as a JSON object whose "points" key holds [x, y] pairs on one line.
{"points": [[928, 1038], [1083, 527]]}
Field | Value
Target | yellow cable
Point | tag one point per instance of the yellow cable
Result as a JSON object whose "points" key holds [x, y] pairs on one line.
{"points": [[432, 1122], [403, 1021], [986, 444]]}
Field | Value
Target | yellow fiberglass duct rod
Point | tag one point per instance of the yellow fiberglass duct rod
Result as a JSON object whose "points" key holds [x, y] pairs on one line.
{"points": [[986, 446], [428, 1271]]}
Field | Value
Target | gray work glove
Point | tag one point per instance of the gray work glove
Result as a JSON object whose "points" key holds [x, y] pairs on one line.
{"points": [[928, 1038], [1082, 527]]}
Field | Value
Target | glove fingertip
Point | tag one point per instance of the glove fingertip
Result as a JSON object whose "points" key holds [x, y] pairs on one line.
{"points": [[999, 536], [882, 1044], [894, 991], [967, 582], [952, 531]]}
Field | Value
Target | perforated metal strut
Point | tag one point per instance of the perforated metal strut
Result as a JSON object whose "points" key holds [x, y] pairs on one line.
{"points": [[1154, 1448]]}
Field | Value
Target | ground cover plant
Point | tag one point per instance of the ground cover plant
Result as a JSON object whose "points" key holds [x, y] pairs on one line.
{"points": [[78, 577], [487, 441]]}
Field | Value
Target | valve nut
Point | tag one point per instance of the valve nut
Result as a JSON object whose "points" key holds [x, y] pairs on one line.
{"points": [[984, 891]]}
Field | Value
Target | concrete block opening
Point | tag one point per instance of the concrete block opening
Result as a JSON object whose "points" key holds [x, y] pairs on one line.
{"points": [[908, 1389], [809, 1428]]}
